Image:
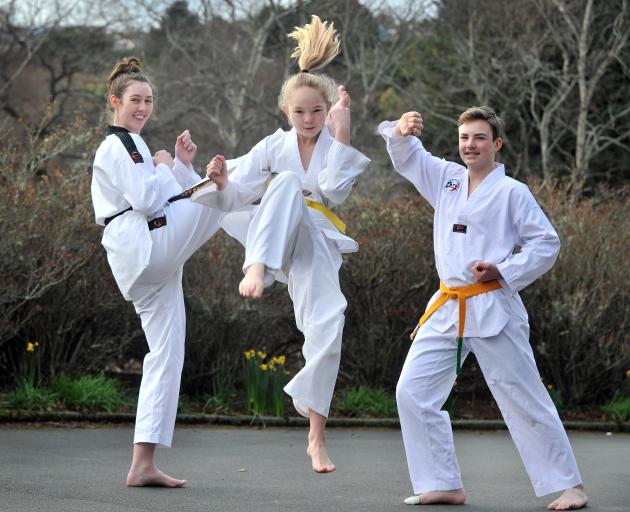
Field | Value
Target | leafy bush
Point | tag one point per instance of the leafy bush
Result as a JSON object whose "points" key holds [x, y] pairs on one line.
{"points": [[578, 311], [366, 402], [618, 410], [27, 396], [88, 394]]}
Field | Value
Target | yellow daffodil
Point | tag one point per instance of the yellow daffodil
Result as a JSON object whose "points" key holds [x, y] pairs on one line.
{"points": [[264, 367], [549, 387], [249, 354], [30, 347], [262, 354], [627, 374], [280, 360]]}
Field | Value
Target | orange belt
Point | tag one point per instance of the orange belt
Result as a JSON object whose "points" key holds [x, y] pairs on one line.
{"points": [[461, 293]]}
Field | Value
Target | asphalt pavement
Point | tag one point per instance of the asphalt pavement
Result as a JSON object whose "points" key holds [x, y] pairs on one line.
{"points": [[83, 469]]}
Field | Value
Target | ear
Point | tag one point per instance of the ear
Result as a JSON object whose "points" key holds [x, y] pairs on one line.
{"points": [[498, 144], [285, 109], [113, 101]]}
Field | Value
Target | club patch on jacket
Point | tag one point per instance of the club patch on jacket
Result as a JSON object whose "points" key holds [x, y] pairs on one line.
{"points": [[451, 185]]}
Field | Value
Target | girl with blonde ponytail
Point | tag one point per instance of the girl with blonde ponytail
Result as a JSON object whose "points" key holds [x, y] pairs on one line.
{"points": [[293, 236], [151, 229]]}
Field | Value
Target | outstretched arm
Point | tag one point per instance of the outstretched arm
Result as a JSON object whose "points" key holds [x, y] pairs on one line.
{"points": [[411, 160]]}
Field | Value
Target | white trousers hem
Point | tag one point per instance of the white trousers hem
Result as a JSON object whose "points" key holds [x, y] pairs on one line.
{"points": [[151, 438], [551, 488], [437, 485]]}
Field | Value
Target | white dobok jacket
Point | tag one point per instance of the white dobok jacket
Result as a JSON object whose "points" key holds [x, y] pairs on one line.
{"points": [[328, 180], [124, 176], [500, 215]]}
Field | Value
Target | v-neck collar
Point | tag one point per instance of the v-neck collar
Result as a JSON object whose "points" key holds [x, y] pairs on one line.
{"points": [[324, 135], [495, 175]]}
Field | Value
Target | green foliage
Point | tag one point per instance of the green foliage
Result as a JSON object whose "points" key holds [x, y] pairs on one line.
{"points": [[366, 402], [88, 394], [556, 397], [391, 104], [84, 394], [217, 404], [264, 382], [28, 397], [618, 410]]}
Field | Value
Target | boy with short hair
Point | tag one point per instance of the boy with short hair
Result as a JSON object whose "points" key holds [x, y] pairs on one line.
{"points": [[481, 215]]}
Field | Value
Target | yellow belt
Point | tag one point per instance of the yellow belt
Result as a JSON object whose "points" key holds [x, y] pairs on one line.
{"points": [[336, 221], [461, 293]]}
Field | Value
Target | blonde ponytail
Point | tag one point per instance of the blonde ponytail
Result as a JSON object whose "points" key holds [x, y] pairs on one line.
{"points": [[317, 44]]}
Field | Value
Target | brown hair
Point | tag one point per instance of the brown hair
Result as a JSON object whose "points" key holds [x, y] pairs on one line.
{"points": [[317, 44], [125, 71], [483, 113]]}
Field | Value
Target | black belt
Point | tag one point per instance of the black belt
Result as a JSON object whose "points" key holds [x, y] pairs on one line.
{"points": [[161, 221]]}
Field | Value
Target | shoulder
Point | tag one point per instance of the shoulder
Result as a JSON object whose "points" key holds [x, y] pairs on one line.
{"points": [[453, 176], [123, 142], [519, 196], [271, 141]]}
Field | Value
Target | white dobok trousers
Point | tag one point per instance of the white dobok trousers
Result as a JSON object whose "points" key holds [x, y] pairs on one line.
{"points": [[283, 236], [508, 365], [159, 301]]}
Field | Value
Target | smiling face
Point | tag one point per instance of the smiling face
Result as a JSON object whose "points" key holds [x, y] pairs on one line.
{"points": [[134, 109], [306, 110], [476, 147]]}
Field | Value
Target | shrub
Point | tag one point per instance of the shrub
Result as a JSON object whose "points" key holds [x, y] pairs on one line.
{"points": [[366, 402], [29, 397], [578, 311], [88, 394], [618, 410]]}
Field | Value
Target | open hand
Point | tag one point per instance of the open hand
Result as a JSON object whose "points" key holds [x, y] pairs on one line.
{"points": [[185, 148], [410, 123], [216, 170]]}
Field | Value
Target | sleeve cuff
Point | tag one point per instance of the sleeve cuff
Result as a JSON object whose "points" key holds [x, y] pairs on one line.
{"points": [[506, 279]]}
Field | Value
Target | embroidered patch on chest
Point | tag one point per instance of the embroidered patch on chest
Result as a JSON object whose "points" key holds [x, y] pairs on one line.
{"points": [[451, 185]]}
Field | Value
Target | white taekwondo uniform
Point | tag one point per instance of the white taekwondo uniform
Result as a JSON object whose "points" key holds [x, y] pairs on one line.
{"points": [[296, 243], [500, 215], [147, 262]]}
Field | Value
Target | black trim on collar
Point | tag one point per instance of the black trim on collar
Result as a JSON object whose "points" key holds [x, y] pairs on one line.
{"points": [[112, 129], [125, 137]]}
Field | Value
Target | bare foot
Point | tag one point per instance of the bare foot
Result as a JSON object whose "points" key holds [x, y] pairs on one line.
{"points": [[151, 477], [319, 457], [252, 284], [570, 499], [454, 497]]}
